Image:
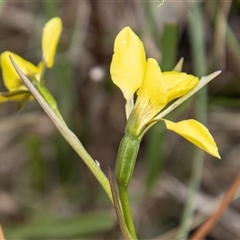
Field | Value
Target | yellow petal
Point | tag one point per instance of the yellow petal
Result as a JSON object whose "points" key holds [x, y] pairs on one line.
{"points": [[51, 34], [10, 77], [153, 90], [128, 62], [179, 83], [152, 97], [195, 133]]}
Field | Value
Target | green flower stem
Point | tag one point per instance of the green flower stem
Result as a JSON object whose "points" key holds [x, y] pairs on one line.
{"points": [[124, 168], [118, 209], [123, 194], [69, 136], [126, 159]]}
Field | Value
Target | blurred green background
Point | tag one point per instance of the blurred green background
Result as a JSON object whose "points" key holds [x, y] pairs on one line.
{"points": [[46, 191]]}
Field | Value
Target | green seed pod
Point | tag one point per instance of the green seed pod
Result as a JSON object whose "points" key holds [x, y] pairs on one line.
{"points": [[126, 158]]}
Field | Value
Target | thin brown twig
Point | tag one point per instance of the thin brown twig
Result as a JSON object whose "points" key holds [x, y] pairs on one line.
{"points": [[210, 223]]}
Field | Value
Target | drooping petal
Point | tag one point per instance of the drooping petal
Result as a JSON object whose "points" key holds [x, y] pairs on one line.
{"points": [[152, 97], [195, 133], [51, 34], [128, 62], [15, 96], [10, 76], [179, 83]]}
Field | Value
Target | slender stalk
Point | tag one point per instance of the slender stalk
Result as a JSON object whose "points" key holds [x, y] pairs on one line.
{"points": [[118, 209], [199, 60], [124, 168], [123, 195]]}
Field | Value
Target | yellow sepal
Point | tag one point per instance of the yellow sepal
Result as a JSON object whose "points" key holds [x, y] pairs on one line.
{"points": [[51, 34], [195, 133], [128, 62]]}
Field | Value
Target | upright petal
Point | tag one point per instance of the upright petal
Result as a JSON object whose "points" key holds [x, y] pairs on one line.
{"points": [[195, 133], [179, 83], [128, 62], [153, 90], [51, 34], [152, 97], [10, 77]]}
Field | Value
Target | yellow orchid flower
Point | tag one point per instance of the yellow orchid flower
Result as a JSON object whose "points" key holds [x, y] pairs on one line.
{"points": [[17, 91], [154, 90]]}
